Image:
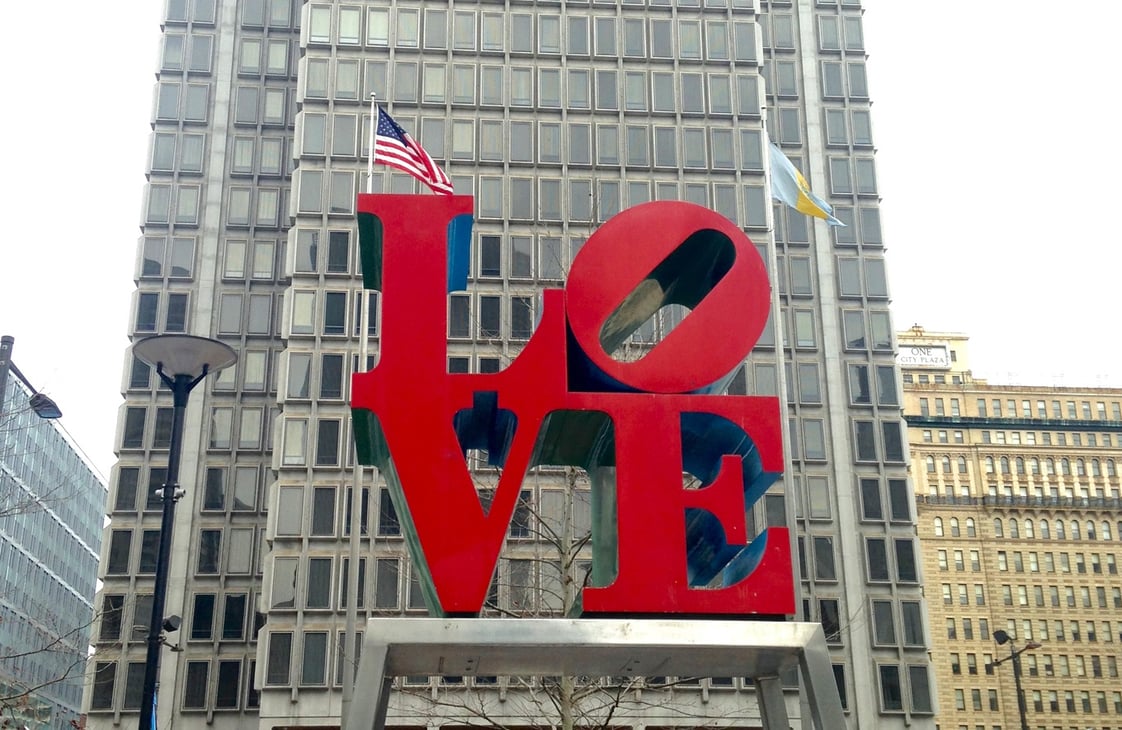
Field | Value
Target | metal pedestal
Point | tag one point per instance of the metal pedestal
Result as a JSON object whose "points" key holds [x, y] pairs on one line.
{"points": [[760, 650]]}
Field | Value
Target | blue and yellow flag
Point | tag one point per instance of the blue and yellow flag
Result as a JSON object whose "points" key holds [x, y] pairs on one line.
{"points": [[788, 186]]}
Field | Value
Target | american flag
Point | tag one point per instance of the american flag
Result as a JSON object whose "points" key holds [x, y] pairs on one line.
{"points": [[394, 147]]}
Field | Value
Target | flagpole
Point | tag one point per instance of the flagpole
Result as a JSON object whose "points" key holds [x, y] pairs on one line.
{"points": [[373, 131], [351, 632]]}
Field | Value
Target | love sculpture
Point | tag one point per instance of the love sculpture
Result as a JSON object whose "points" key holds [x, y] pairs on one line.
{"points": [[659, 547]]}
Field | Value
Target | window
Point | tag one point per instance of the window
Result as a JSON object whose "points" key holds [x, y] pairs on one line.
{"points": [[877, 559], [824, 567], [891, 694]]}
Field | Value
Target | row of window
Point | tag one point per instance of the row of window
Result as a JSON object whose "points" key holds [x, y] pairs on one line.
{"points": [[886, 560], [1023, 466], [1061, 439], [219, 684], [840, 80], [1069, 705], [1057, 526], [1034, 561], [1105, 529], [214, 617], [316, 512], [235, 488], [1018, 563], [550, 200], [260, 207], [542, 33], [1068, 411], [253, 105], [976, 700], [184, 153], [228, 551], [256, 56], [319, 583], [201, 12], [1040, 664], [1022, 598]]}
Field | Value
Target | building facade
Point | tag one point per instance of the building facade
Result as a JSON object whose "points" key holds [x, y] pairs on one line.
{"points": [[554, 115], [1020, 519], [51, 514]]}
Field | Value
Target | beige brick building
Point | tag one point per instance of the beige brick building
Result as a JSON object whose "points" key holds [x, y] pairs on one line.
{"points": [[1017, 491]]}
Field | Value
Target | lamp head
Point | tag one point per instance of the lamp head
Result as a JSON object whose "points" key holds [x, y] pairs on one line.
{"points": [[1033, 645], [44, 407], [184, 354], [1001, 636]]}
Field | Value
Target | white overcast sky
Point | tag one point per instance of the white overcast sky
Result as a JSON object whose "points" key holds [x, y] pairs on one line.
{"points": [[998, 160]]}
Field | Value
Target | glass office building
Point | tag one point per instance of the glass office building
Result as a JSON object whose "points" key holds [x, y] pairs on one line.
{"points": [[554, 115], [51, 514]]}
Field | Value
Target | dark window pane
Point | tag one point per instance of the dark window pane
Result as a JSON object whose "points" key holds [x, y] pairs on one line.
{"points": [[127, 478], [489, 317], [134, 428], [878, 558], [226, 693], [280, 655], [134, 686], [319, 583], [195, 686], [913, 623], [387, 515], [323, 509], [156, 478], [112, 607], [866, 441], [871, 508], [906, 561], [331, 377], [338, 252], [202, 617], [334, 313], [210, 547], [921, 688], [314, 668], [898, 500], [891, 697], [149, 551], [214, 493], [490, 256], [830, 617], [233, 616], [120, 545], [824, 568], [327, 443], [893, 441], [146, 310], [101, 695]]}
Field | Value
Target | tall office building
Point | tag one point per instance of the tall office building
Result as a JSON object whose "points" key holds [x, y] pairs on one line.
{"points": [[51, 513], [1021, 524], [554, 115]]}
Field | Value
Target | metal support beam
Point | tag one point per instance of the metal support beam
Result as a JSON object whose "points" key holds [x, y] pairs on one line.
{"points": [[760, 650]]}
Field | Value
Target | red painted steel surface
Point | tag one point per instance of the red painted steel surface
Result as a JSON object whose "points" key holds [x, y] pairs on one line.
{"points": [[414, 401]]}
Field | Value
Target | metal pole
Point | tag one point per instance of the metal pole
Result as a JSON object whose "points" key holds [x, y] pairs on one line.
{"points": [[1016, 656], [181, 388], [6, 344]]}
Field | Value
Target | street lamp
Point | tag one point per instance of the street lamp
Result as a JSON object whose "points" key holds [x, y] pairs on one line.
{"points": [[181, 361], [43, 406], [1002, 637]]}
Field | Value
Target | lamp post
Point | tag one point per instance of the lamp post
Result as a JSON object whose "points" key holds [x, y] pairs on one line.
{"points": [[181, 361], [43, 406], [1002, 637]]}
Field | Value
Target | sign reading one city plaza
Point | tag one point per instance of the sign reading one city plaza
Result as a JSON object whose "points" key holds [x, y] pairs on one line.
{"points": [[659, 547], [937, 357]]}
